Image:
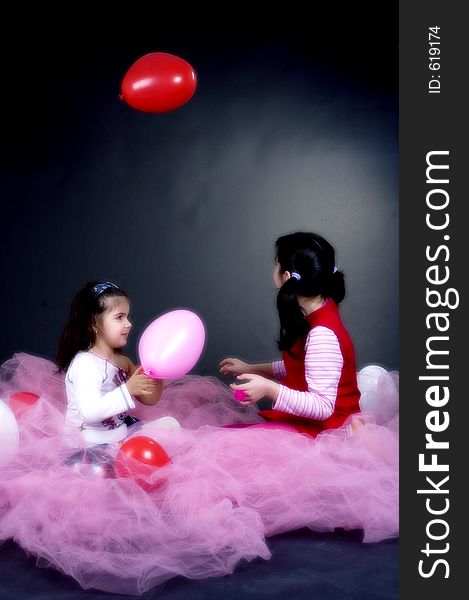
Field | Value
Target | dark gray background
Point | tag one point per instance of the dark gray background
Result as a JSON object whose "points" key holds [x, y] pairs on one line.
{"points": [[294, 126]]}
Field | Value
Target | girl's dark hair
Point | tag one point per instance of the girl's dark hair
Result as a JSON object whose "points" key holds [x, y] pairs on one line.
{"points": [[313, 258], [78, 333]]}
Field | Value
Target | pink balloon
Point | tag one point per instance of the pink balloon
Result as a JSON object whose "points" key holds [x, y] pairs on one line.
{"points": [[172, 344]]}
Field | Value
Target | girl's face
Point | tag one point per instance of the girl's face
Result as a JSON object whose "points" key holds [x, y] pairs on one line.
{"points": [[114, 325], [279, 276]]}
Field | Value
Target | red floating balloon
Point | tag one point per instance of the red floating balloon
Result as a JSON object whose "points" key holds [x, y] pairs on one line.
{"points": [[21, 402], [158, 82], [138, 457]]}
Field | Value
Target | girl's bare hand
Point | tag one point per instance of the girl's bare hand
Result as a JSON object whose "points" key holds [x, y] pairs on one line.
{"points": [[233, 366], [255, 388], [141, 385]]}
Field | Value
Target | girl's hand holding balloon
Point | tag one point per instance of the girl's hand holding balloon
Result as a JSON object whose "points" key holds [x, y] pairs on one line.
{"points": [[256, 388], [233, 366], [146, 389]]}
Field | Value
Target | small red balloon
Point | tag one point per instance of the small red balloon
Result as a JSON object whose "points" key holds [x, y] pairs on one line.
{"points": [[21, 402], [138, 457], [158, 82]]}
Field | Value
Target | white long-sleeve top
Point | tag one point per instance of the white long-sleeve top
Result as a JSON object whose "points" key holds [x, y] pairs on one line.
{"points": [[97, 398], [323, 368]]}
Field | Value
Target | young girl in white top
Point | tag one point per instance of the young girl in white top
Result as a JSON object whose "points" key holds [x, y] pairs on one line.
{"points": [[102, 384]]}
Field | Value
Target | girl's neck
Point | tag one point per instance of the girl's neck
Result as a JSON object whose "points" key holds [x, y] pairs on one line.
{"points": [[309, 305], [103, 350]]}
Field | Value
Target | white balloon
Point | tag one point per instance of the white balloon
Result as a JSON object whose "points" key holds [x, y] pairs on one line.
{"points": [[9, 434], [379, 392]]}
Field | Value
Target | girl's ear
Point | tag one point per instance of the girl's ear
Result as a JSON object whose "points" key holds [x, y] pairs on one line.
{"points": [[96, 323]]}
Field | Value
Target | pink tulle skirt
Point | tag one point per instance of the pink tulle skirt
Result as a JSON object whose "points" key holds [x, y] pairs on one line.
{"points": [[226, 490]]}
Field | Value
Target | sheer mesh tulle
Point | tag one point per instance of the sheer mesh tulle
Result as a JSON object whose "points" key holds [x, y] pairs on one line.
{"points": [[224, 493]]}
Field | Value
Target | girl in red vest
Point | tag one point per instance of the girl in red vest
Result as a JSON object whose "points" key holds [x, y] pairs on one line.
{"points": [[314, 387]]}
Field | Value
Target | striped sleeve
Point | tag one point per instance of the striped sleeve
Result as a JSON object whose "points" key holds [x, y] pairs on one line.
{"points": [[279, 370], [323, 367]]}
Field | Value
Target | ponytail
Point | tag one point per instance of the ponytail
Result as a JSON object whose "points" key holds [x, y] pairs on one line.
{"points": [[311, 261], [293, 323], [336, 288]]}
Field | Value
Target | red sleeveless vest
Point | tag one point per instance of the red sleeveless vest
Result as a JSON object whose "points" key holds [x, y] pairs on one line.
{"points": [[348, 394]]}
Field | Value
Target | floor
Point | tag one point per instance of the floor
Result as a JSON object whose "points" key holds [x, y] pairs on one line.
{"points": [[304, 566]]}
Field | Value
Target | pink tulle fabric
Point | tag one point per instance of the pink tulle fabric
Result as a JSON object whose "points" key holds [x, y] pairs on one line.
{"points": [[225, 492]]}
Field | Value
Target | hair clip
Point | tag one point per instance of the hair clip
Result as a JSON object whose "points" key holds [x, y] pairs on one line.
{"points": [[99, 288]]}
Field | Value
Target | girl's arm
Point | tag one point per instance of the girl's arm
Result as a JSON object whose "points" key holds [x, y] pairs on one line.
{"points": [[323, 368], [234, 366], [93, 406], [264, 369]]}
